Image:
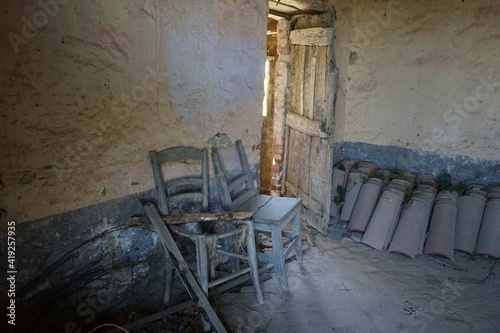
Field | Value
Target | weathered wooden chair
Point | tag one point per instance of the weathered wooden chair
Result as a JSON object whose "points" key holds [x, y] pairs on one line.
{"points": [[180, 195], [271, 214]]}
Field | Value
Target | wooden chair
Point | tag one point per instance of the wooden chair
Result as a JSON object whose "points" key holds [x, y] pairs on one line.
{"points": [[271, 214], [180, 195]]}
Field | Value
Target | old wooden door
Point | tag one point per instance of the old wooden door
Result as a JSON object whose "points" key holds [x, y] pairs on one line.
{"points": [[309, 123]]}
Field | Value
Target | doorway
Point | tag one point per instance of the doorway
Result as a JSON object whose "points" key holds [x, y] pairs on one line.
{"points": [[266, 151], [298, 146]]}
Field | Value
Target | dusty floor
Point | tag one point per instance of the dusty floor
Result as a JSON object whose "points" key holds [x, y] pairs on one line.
{"points": [[344, 286]]}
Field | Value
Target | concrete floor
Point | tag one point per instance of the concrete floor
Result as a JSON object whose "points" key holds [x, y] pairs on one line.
{"points": [[344, 286]]}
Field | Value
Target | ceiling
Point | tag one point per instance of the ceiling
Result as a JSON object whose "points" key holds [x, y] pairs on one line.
{"points": [[287, 8]]}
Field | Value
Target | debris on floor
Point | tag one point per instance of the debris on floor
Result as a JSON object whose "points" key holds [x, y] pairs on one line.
{"points": [[346, 286], [187, 321]]}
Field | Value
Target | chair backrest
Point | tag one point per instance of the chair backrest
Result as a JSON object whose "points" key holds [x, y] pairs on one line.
{"points": [[186, 190], [239, 188]]}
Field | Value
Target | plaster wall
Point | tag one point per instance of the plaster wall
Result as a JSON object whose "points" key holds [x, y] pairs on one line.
{"points": [[88, 88], [422, 75]]}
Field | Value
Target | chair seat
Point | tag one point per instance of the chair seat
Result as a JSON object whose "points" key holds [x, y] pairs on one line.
{"points": [[272, 214], [271, 210]]}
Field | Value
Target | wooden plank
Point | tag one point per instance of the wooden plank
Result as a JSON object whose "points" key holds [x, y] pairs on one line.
{"points": [[331, 82], [317, 172], [172, 154], [291, 246], [202, 270], [300, 86], [313, 36], [308, 112], [321, 151], [326, 20], [229, 276], [305, 213], [236, 282], [285, 160], [310, 121], [328, 172], [306, 163], [297, 78], [187, 278], [220, 173], [307, 200], [244, 164], [185, 183], [208, 216], [292, 171], [309, 90], [157, 316], [320, 182], [326, 87], [195, 217], [238, 181], [277, 15], [322, 90], [294, 79], [299, 158], [204, 176], [305, 125], [236, 204]]}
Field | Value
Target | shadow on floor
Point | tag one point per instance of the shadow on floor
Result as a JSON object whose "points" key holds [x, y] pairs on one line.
{"points": [[344, 286]]}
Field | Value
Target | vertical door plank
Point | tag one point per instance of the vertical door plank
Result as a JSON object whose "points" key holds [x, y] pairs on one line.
{"points": [[309, 82], [293, 163]]}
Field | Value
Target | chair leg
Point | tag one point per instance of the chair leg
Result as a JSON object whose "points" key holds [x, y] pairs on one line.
{"points": [[252, 262], [297, 232], [235, 262], [278, 258], [169, 274], [202, 269]]}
